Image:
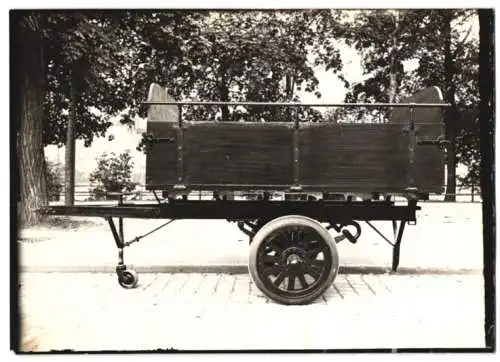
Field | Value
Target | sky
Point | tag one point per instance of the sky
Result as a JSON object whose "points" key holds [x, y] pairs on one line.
{"points": [[331, 88]]}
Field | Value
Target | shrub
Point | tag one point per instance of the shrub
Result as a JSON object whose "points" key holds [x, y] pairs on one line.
{"points": [[54, 180], [112, 174]]}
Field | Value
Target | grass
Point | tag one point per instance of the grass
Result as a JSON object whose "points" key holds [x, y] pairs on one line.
{"points": [[65, 222]]}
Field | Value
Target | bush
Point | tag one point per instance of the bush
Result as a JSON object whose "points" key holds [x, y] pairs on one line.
{"points": [[113, 174], [54, 180], [472, 179]]}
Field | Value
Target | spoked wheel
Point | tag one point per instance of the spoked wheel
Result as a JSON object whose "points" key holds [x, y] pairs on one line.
{"points": [[128, 279], [293, 260]]}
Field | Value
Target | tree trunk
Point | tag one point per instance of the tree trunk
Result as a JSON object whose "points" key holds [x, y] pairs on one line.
{"points": [[28, 111], [393, 77], [69, 167], [289, 87], [224, 94], [450, 114], [224, 98]]}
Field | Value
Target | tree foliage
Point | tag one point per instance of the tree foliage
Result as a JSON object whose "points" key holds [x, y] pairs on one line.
{"points": [[112, 174], [113, 57], [244, 56], [459, 79], [86, 49], [447, 55]]}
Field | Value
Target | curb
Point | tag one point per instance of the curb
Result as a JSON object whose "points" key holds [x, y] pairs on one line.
{"points": [[237, 269]]}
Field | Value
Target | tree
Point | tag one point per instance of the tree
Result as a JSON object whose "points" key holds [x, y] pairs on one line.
{"points": [[28, 88], [383, 58], [455, 70], [84, 66], [85, 81], [112, 174], [96, 64], [244, 56], [447, 58], [38, 51]]}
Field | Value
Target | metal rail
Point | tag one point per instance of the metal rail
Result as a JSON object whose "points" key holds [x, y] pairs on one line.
{"points": [[295, 104]]}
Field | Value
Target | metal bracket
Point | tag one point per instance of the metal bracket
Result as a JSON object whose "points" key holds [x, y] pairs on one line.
{"points": [[346, 234], [411, 193], [396, 245], [406, 129], [152, 139], [439, 141]]}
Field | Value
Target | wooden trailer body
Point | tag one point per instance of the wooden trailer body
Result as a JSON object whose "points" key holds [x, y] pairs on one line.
{"points": [[386, 158]]}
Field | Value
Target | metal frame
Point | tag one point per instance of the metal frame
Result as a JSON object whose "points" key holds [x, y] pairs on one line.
{"points": [[336, 213], [321, 210], [295, 104]]}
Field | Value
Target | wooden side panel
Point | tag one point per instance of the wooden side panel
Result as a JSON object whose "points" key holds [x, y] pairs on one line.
{"points": [[426, 115], [161, 159], [354, 157], [331, 157], [238, 154], [429, 159]]}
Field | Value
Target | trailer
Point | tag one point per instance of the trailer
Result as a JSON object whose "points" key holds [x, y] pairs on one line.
{"points": [[293, 256]]}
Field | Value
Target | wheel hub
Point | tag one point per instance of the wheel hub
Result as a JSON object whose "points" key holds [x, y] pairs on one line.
{"points": [[292, 257]]}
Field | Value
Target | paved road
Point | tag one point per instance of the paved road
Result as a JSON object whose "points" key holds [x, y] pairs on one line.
{"points": [[224, 312]]}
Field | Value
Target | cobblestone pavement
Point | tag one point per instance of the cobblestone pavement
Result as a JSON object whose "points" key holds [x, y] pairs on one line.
{"points": [[87, 312]]}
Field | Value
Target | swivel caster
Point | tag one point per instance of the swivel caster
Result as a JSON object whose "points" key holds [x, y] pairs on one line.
{"points": [[128, 279]]}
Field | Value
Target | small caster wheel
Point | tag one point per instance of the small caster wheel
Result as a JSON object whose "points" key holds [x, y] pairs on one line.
{"points": [[128, 279]]}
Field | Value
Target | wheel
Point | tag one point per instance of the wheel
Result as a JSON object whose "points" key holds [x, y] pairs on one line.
{"points": [[128, 279], [293, 260]]}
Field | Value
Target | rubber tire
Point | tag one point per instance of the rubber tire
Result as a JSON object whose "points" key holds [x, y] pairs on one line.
{"points": [[131, 275], [285, 221]]}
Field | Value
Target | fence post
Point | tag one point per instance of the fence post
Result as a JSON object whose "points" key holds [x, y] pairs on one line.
{"points": [[472, 193]]}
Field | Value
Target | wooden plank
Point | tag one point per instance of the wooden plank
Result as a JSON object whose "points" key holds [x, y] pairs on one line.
{"points": [[366, 156], [238, 153]]}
